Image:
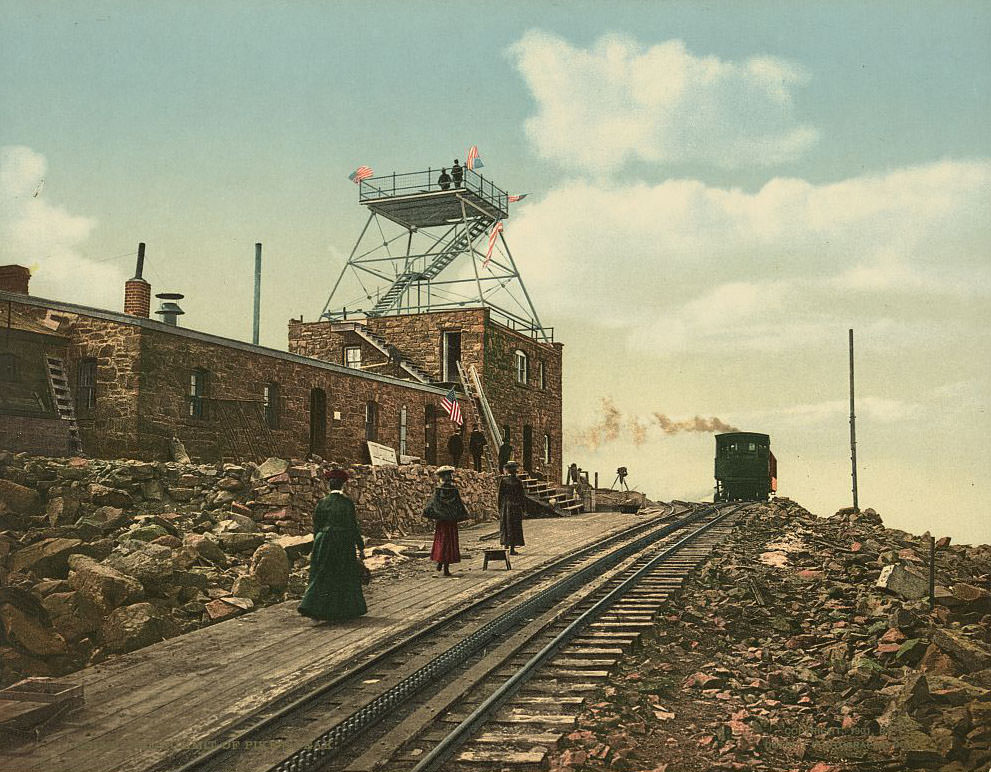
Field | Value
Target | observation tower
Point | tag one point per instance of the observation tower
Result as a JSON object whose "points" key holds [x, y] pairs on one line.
{"points": [[429, 245]]}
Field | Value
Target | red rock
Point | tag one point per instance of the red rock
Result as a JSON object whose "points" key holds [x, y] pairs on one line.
{"points": [[809, 574], [856, 547], [888, 648], [894, 635]]}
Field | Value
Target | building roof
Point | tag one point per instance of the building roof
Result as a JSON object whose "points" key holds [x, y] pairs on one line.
{"points": [[16, 319], [150, 324]]}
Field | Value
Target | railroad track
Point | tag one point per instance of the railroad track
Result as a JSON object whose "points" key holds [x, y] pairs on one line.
{"points": [[502, 659]]}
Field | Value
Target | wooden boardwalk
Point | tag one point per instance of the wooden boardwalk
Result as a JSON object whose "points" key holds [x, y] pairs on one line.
{"points": [[144, 706]]}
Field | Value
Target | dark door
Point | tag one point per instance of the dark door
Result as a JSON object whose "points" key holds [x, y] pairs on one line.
{"points": [[528, 448], [430, 434], [318, 421], [452, 355]]}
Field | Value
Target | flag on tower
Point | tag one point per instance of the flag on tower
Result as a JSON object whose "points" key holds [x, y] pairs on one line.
{"points": [[473, 161], [450, 405], [518, 197], [361, 173], [492, 240]]}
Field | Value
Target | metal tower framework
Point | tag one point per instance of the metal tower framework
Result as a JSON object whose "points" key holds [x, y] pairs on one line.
{"points": [[423, 248]]}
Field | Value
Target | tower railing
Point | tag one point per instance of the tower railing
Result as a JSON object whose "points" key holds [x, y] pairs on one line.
{"points": [[413, 183]]}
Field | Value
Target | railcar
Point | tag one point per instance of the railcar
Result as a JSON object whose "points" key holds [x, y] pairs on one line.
{"points": [[746, 469]]}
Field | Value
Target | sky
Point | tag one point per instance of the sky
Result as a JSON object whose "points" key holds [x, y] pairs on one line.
{"points": [[717, 192]]}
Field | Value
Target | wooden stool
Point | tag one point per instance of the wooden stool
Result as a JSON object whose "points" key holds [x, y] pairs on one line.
{"points": [[496, 555]]}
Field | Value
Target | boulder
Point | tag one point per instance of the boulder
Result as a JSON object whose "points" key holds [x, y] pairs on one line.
{"points": [[240, 542], [19, 498], [29, 633], [295, 546], [902, 581], [62, 510], [48, 557], [133, 627], [72, 615], [148, 563], [222, 608], [237, 523], [104, 587], [114, 497], [200, 546], [270, 566], [271, 467], [247, 586], [146, 532], [969, 653]]}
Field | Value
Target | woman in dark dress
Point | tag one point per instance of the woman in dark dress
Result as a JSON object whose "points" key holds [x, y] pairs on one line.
{"points": [[447, 508], [335, 568], [512, 503]]}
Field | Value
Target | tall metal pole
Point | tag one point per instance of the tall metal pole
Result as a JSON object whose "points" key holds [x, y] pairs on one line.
{"points": [[258, 293], [853, 432]]}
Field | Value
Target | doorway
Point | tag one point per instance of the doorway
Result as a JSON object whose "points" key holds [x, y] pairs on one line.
{"points": [[528, 448], [430, 434], [452, 355], [318, 422]]}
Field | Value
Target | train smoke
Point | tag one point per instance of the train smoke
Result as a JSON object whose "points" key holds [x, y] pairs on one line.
{"points": [[696, 424], [613, 425]]}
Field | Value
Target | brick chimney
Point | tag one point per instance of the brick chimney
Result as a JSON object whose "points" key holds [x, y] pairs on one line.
{"points": [[137, 292], [14, 278]]}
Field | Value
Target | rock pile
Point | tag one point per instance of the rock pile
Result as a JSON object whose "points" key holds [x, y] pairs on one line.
{"points": [[103, 557], [807, 644]]}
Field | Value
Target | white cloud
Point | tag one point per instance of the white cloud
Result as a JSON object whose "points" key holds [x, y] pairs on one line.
{"points": [[686, 266], [47, 238], [598, 108]]}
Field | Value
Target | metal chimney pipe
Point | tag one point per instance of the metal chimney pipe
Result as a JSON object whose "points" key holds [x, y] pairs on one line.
{"points": [[141, 261], [258, 293]]}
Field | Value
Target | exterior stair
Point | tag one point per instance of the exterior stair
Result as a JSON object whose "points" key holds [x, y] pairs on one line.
{"points": [[384, 346], [559, 500], [58, 383]]}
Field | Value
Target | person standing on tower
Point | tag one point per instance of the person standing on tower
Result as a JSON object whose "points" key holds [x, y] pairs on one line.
{"points": [[476, 445], [457, 174], [444, 180]]}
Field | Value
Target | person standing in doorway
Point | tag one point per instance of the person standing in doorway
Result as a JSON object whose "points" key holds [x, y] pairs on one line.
{"points": [[336, 570], [512, 504], [476, 446], [456, 447], [447, 509], [505, 451]]}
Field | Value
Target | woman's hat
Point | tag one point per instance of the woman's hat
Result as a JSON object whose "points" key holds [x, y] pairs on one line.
{"points": [[442, 469], [335, 474]]}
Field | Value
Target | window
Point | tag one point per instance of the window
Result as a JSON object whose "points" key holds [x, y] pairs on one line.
{"points": [[752, 447], [402, 430], [197, 388], [547, 448], [522, 368], [371, 421], [270, 395], [541, 375], [85, 385], [352, 357], [452, 355], [8, 367]]}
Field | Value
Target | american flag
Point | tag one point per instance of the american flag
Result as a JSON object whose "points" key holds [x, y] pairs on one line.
{"points": [[473, 161], [492, 241], [451, 406], [361, 173], [518, 197]]}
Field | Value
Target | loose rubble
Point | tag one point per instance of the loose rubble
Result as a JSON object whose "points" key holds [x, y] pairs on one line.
{"points": [[99, 558], [805, 644]]}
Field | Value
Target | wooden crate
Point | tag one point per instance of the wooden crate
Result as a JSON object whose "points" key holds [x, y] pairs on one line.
{"points": [[43, 690]]}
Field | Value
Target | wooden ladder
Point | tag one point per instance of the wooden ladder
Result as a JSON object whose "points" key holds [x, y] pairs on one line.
{"points": [[58, 383], [474, 401]]}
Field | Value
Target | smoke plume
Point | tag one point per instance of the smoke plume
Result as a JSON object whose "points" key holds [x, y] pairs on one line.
{"points": [[696, 424], [606, 429]]}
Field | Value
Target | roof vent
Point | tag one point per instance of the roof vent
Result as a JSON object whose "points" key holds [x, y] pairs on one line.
{"points": [[170, 311]]}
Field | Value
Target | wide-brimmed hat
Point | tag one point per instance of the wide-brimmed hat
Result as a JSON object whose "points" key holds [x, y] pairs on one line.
{"points": [[336, 474], [442, 469], [511, 465]]}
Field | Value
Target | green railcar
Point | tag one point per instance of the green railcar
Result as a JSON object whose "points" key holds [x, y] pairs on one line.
{"points": [[746, 469]]}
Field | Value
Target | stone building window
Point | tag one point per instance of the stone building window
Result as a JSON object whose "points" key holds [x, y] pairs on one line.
{"points": [[541, 375], [522, 368], [371, 421], [270, 396], [402, 430], [197, 392], [85, 385], [352, 357], [547, 448], [8, 367]]}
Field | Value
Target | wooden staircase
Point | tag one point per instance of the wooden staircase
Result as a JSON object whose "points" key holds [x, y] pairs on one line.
{"points": [[558, 499], [384, 346], [58, 383]]}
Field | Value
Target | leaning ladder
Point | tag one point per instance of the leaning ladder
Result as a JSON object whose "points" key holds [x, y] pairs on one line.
{"points": [[58, 383], [475, 398]]}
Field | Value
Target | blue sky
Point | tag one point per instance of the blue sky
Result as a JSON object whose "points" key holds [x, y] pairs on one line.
{"points": [[720, 184]]}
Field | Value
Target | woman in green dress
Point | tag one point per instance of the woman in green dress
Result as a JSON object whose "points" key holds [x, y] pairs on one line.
{"points": [[335, 568]]}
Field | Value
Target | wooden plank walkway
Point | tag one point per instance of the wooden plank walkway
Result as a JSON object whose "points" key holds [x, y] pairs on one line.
{"points": [[142, 707]]}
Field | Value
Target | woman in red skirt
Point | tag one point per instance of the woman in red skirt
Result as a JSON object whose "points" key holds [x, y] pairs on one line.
{"points": [[447, 508]]}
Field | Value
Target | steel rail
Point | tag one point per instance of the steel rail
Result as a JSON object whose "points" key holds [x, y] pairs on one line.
{"points": [[332, 740], [440, 752], [224, 743]]}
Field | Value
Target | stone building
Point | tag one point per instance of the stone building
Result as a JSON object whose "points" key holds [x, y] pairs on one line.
{"points": [[134, 383]]}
